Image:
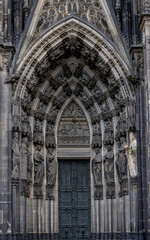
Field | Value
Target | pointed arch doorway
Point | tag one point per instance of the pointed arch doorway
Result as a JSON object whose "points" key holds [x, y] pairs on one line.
{"points": [[74, 195], [74, 199]]}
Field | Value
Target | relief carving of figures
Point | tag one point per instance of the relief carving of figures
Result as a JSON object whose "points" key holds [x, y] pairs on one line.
{"points": [[16, 155], [109, 165], [51, 168], [131, 152], [24, 158], [38, 166], [73, 129]]}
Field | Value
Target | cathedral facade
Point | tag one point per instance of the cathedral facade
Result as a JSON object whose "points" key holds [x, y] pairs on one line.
{"points": [[74, 119]]}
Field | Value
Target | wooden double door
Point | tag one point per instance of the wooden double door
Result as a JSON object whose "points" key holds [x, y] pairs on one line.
{"points": [[74, 199]]}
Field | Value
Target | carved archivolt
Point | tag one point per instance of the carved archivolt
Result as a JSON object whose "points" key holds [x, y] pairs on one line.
{"points": [[72, 77]]}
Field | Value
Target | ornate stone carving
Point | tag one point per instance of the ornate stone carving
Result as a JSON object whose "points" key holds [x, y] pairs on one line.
{"points": [[16, 123], [25, 189], [37, 191], [26, 101], [109, 172], [38, 137], [73, 128], [56, 10], [32, 84], [47, 95], [61, 78], [121, 128], [60, 100], [15, 155], [67, 72], [67, 90], [78, 90], [121, 167], [50, 138], [97, 175], [87, 101], [38, 166], [78, 72], [97, 138], [119, 100], [99, 96], [25, 125], [51, 117], [113, 86], [49, 193], [109, 135], [103, 70], [106, 111], [40, 111]]}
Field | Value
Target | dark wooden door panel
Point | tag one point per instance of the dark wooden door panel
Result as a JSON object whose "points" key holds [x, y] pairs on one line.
{"points": [[74, 200]]}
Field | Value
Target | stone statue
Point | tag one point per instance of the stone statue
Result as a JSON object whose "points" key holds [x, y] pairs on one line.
{"points": [[15, 155], [29, 166], [51, 168], [24, 156], [97, 168], [38, 166], [109, 165], [131, 152], [121, 164]]}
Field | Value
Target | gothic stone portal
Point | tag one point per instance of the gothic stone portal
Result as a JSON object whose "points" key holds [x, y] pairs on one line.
{"points": [[74, 199]]}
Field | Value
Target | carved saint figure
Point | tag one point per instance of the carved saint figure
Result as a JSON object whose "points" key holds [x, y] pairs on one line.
{"points": [[29, 166], [51, 168], [109, 165], [121, 164], [97, 168], [38, 166], [15, 155], [131, 152], [24, 156]]}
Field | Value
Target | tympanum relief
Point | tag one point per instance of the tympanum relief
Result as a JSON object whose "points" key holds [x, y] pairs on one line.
{"points": [[73, 129]]}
